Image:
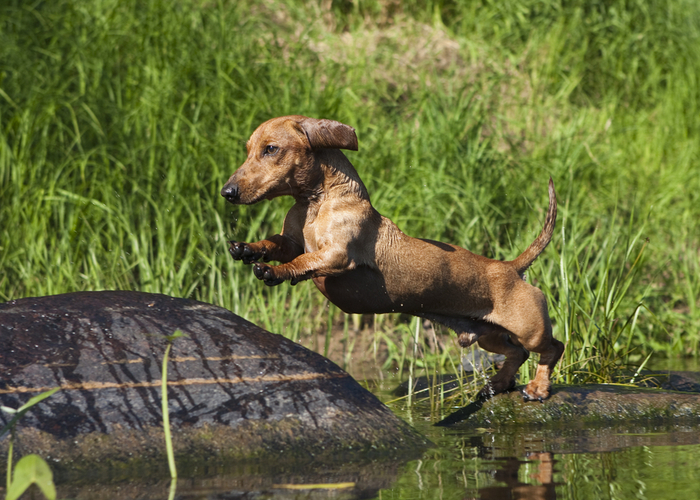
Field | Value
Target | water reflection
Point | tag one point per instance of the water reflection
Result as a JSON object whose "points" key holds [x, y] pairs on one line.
{"points": [[648, 462], [513, 487], [635, 462], [530, 477], [311, 480]]}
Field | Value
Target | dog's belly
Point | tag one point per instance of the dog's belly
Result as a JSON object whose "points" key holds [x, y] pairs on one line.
{"points": [[360, 291], [365, 291], [435, 284]]}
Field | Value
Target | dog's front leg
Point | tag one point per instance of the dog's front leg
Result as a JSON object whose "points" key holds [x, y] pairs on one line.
{"points": [[283, 247], [306, 266], [278, 247]]}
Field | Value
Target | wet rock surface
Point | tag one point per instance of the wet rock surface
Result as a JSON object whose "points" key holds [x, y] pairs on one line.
{"points": [[234, 390], [683, 381], [594, 404]]}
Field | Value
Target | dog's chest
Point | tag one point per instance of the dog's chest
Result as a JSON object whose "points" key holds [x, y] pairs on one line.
{"points": [[310, 238], [317, 233]]}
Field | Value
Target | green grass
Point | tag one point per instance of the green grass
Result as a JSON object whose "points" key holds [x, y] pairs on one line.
{"points": [[121, 120]]}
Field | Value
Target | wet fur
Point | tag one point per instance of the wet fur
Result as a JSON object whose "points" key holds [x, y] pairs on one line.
{"points": [[363, 263]]}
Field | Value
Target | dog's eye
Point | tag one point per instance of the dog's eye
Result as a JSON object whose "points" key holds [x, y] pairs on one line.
{"points": [[270, 150]]}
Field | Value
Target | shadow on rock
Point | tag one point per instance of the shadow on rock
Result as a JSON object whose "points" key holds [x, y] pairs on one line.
{"points": [[235, 391]]}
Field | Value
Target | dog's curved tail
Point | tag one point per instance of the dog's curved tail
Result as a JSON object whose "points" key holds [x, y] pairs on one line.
{"points": [[525, 259]]}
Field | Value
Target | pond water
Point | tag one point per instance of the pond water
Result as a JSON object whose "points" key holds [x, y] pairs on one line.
{"points": [[548, 463], [503, 462]]}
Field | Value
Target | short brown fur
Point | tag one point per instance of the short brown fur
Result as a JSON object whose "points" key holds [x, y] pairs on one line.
{"points": [[364, 263]]}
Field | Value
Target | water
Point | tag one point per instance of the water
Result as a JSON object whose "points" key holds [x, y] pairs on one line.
{"points": [[533, 462], [549, 463], [633, 461], [605, 463]]}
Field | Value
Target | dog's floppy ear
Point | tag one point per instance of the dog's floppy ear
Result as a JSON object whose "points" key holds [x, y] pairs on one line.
{"points": [[329, 134]]}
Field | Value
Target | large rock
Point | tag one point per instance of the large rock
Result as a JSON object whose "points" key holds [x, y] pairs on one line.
{"points": [[234, 390]]}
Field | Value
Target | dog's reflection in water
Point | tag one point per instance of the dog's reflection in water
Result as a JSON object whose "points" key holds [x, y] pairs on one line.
{"points": [[541, 488]]}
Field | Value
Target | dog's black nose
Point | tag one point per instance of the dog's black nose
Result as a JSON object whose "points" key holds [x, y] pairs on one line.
{"points": [[230, 193]]}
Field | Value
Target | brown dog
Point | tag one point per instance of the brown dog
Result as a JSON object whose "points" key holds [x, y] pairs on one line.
{"points": [[363, 263]]}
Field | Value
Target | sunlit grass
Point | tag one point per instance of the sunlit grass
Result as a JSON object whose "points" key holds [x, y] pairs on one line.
{"points": [[120, 122]]}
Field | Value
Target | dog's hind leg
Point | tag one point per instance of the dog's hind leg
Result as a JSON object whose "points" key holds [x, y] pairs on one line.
{"points": [[499, 341], [490, 337], [550, 352], [528, 320]]}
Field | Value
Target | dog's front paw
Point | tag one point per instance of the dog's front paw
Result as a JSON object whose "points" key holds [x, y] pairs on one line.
{"points": [[266, 274], [243, 251]]}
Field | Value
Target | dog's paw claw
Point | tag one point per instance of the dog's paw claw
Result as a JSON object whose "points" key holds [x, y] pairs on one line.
{"points": [[234, 250], [259, 270], [528, 396], [242, 251], [266, 274]]}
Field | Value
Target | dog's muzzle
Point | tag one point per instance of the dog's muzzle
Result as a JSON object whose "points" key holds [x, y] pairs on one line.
{"points": [[230, 192]]}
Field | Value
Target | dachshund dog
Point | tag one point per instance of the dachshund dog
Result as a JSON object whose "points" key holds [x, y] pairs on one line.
{"points": [[363, 263]]}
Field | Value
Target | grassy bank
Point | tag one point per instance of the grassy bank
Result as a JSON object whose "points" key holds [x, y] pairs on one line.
{"points": [[121, 120]]}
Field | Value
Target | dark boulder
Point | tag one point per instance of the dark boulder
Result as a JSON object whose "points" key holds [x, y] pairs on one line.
{"points": [[234, 390]]}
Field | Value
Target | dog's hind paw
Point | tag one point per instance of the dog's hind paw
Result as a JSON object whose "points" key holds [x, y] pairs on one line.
{"points": [[467, 339], [532, 393], [494, 387], [527, 398]]}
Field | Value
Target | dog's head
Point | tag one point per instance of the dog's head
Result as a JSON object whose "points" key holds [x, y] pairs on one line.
{"points": [[281, 157]]}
